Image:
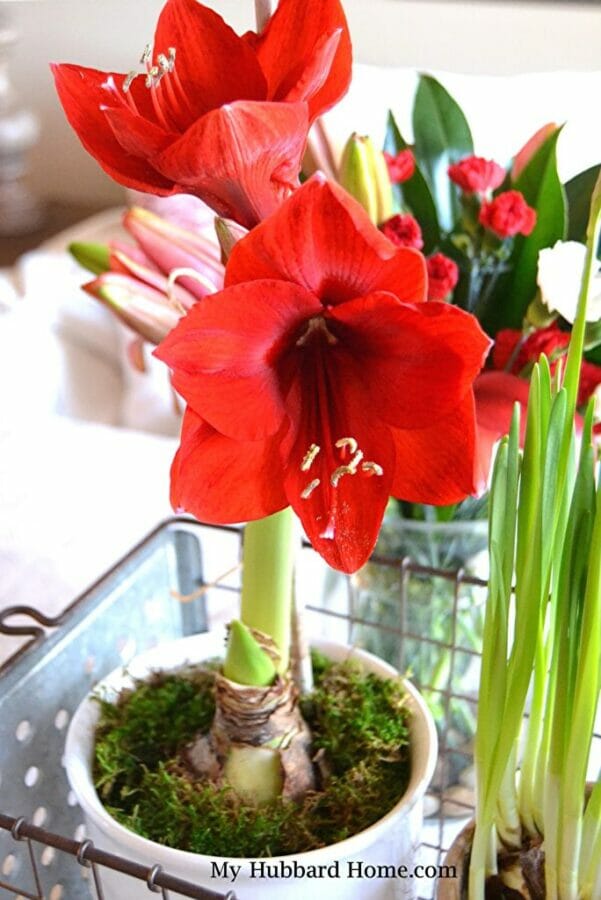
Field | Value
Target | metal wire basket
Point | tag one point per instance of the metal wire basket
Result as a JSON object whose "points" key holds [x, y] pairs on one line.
{"points": [[176, 582]]}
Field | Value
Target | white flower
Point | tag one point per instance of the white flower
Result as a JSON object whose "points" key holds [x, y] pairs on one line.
{"points": [[559, 276]]}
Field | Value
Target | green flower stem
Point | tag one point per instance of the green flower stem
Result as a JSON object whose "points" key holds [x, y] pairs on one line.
{"points": [[269, 553], [593, 232]]}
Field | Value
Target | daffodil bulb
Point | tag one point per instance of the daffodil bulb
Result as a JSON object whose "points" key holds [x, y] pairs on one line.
{"points": [[559, 277]]}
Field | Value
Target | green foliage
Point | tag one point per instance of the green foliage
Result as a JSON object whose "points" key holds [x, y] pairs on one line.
{"points": [[542, 189], [442, 136], [360, 722], [414, 193], [578, 194]]}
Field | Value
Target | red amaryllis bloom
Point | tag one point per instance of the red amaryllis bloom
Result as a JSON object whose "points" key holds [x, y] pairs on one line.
{"points": [[216, 115], [475, 175], [443, 275], [508, 214], [404, 231], [515, 352], [400, 167], [318, 378]]}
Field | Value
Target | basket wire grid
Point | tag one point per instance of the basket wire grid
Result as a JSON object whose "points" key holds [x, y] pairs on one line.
{"points": [[166, 587]]}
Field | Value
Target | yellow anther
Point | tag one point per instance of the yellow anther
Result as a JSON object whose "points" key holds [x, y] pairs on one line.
{"points": [[153, 77], [347, 443], [310, 488], [128, 81], [372, 468], [354, 463], [309, 457], [339, 473], [146, 54], [351, 469]]}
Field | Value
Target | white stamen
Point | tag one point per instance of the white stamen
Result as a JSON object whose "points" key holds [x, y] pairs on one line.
{"points": [[165, 65], [129, 80], [339, 473], [185, 272], [349, 442], [372, 468], [153, 77], [146, 55], [310, 488], [309, 457]]}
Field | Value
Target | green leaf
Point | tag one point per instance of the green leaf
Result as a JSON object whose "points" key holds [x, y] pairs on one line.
{"points": [[542, 189], [414, 193], [246, 662], [442, 136], [578, 193]]}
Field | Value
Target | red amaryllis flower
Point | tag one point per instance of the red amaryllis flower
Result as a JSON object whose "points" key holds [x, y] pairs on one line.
{"points": [[508, 214], [475, 175], [404, 231], [443, 275], [216, 115], [318, 378], [400, 167]]}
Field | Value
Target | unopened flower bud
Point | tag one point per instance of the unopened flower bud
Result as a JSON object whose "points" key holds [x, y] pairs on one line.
{"points": [[364, 174]]}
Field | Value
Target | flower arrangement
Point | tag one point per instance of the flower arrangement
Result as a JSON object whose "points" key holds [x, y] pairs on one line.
{"points": [[322, 363]]}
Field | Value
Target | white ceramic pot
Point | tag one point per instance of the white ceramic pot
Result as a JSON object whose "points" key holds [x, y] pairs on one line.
{"points": [[349, 869]]}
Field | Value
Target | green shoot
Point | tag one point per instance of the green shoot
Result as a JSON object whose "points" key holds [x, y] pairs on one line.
{"points": [[545, 637]]}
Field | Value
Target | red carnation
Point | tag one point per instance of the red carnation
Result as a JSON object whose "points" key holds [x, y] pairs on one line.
{"points": [[508, 355], [403, 231], [400, 167], [590, 378], [508, 215], [443, 275], [214, 114], [319, 378], [476, 175], [515, 357]]}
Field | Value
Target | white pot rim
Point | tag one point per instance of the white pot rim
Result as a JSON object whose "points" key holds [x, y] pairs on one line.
{"points": [[80, 743]]}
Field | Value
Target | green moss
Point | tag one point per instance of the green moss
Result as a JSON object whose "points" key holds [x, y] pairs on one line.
{"points": [[358, 722]]}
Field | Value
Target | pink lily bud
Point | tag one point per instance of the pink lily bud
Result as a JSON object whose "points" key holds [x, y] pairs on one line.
{"points": [[170, 247], [146, 310]]}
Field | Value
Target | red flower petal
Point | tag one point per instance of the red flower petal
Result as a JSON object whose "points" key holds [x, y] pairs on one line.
{"points": [[323, 239], [137, 136], [219, 480], [342, 521], [496, 394], [225, 352], [291, 43], [415, 361], [242, 159], [214, 65], [86, 96], [436, 464]]}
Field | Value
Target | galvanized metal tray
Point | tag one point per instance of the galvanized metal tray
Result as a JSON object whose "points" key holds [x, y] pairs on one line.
{"points": [[161, 590]]}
